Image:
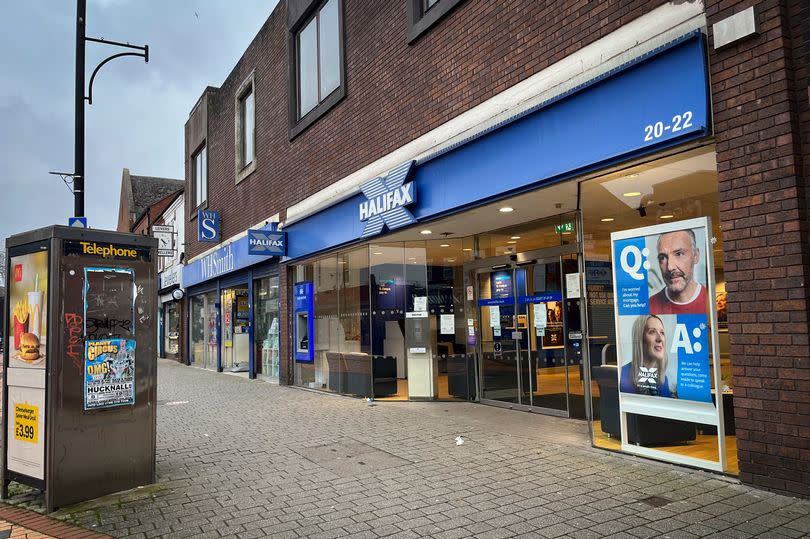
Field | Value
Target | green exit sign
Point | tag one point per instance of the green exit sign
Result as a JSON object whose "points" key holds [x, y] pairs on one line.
{"points": [[564, 228]]}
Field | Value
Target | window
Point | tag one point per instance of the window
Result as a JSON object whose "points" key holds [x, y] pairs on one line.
{"points": [[422, 14], [317, 65], [200, 170], [245, 122], [246, 109]]}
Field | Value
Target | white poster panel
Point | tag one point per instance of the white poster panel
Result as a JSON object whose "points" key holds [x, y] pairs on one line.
{"points": [[665, 324], [572, 285], [26, 431], [447, 324]]}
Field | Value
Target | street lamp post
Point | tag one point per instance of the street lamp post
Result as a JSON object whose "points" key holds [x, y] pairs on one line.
{"points": [[80, 97]]}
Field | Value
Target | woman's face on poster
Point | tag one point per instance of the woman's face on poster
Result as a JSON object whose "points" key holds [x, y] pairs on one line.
{"points": [[654, 339]]}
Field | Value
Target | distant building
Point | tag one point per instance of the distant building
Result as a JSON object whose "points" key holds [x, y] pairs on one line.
{"points": [[139, 193], [171, 300]]}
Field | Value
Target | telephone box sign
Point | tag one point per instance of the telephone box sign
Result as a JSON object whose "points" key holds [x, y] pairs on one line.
{"points": [[208, 226], [386, 198]]}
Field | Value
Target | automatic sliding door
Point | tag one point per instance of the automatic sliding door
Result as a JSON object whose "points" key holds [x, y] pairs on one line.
{"points": [[504, 372]]}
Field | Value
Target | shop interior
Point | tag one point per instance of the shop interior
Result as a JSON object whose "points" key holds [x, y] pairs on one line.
{"points": [[366, 297]]}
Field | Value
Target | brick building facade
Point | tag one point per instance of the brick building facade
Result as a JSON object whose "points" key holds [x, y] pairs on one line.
{"points": [[414, 90]]}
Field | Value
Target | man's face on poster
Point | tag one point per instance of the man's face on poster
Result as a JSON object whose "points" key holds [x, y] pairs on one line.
{"points": [[677, 257]]}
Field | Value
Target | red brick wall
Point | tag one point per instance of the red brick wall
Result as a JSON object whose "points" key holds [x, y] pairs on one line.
{"points": [[763, 217], [395, 92]]}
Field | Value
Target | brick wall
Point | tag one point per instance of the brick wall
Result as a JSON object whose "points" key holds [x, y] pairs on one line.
{"points": [[395, 92], [763, 217]]}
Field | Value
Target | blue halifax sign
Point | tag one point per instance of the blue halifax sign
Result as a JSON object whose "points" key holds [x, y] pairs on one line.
{"points": [[267, 242], [386, 198], [208, 226]]}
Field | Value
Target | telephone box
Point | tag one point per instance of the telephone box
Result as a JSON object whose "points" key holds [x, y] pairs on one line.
{"points": [[80, 363]]}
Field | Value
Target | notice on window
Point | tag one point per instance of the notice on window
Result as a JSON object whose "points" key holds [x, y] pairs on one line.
{"points": [[540, 318], [447, 324], [420, 303], [495, 316], [572, 285]]}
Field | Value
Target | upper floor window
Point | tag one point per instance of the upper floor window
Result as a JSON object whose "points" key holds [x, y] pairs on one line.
{"points": [[318, 73], [245, 128], [422, 14], [199, 167], [246, 110]]}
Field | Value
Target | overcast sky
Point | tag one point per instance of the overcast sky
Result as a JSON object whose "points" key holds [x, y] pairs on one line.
{"points": [[138, 112]]}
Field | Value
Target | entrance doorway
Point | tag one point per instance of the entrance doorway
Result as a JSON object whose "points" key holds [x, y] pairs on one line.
{"points": [[529, 331]]}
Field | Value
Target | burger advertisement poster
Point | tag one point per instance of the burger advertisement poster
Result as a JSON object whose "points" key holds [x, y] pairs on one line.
{"points": [[663, 310], [28, 310], [109, 373]]}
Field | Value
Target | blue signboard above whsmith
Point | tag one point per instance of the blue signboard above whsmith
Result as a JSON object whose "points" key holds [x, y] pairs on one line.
{"points": [[267, 242], [654, 102], [234, 256], [208, 226]]}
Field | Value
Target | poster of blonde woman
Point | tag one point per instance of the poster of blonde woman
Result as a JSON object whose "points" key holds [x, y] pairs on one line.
{"points": [[28, 310]]}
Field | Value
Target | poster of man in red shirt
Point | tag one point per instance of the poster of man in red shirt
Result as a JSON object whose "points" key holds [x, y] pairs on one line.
{"points": [[678, 255]]}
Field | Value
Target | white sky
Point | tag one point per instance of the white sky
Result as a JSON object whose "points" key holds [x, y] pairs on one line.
{"points": [[138, 112]]}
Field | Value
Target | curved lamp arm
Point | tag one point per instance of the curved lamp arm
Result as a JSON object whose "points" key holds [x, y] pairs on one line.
{"points": [[144, 55]]}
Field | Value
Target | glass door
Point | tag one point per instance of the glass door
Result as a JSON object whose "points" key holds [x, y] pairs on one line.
{"points": [[504, 369], [525, 354], [541, 315]]}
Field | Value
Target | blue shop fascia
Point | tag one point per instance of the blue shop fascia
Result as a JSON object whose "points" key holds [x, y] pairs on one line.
{"points": [[233, 295]]}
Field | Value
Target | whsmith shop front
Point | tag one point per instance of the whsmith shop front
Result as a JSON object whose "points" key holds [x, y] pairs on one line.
{"points": [[233, 309], [562, 263]]}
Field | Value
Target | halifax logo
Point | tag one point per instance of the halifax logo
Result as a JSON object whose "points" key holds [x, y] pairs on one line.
{"points": [[386, 200]]}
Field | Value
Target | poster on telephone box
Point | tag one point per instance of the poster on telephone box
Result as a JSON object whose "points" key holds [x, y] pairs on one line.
{"points": [[109, 373]]}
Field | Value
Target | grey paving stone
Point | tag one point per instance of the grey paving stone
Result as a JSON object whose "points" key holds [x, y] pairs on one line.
{"points": [[272, 473]]}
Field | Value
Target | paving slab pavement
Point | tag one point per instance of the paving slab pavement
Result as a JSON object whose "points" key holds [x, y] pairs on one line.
{"points": [[246, 458]]}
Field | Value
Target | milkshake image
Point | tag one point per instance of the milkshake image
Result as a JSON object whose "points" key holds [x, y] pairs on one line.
{"points": [[35, 300]]}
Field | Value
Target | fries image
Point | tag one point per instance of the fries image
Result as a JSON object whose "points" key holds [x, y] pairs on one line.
{"points": [[21, 311]]}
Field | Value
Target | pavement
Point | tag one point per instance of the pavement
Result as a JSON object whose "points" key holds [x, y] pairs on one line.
{"points": [[246, 458]]}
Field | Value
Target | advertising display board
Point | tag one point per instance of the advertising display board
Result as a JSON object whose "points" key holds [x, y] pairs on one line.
{"points": [[27, 359], [665, 326]]}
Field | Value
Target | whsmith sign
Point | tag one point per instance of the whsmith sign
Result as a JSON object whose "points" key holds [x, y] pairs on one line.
{"points": [[232, 257], [208, 226], [386, 198]]}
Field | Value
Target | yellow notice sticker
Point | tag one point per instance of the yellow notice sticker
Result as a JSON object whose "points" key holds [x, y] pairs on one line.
{"points": [[26, 419]]}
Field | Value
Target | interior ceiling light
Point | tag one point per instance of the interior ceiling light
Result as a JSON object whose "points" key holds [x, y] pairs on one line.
{"points": [[376, 253], [426, 232], [511, 241], [515, 238], [467, 249], [451, 259], [506, 209], [631, 194], [607, 219], [411, 258], [444, 245], [667, 216]]}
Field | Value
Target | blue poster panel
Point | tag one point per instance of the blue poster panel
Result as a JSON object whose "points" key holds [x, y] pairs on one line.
{"points": [[109, 373], [662, 312]]}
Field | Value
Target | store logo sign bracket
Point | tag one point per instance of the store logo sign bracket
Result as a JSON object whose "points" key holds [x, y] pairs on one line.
{"points": [[386, 201]]}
